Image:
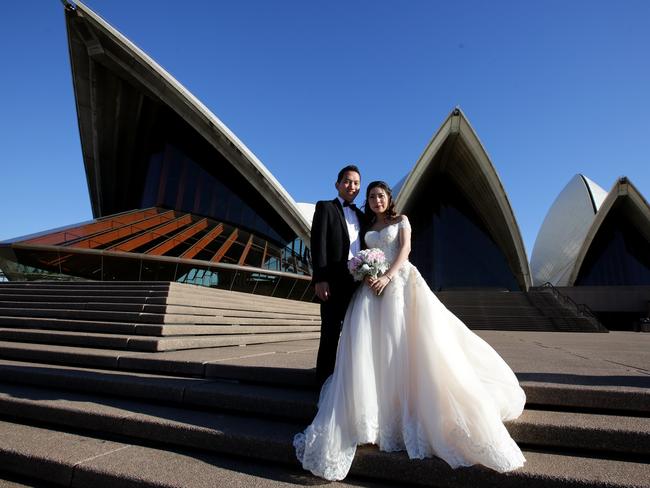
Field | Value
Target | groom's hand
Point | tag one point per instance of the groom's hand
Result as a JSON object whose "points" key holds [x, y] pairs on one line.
{"points": [[323, 290]]}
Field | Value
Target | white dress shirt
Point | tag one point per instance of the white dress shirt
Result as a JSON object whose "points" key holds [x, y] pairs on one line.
{"points": [[352, 221]]}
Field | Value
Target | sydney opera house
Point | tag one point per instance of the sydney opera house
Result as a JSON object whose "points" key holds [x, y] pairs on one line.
{"points": [[176, 196], [594, 245]]}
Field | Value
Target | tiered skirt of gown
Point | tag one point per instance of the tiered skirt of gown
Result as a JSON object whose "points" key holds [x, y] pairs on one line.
{"points": [[411, 376]]}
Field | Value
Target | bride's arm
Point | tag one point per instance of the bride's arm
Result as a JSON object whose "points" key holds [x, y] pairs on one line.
{"points": [[404, 247], [402, 256]]}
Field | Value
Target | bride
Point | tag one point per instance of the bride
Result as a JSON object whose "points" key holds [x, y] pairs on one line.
{"points": [[409, 374]]}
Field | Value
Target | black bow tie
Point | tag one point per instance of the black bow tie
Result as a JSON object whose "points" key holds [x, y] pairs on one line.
{"points": [[349, 204]]}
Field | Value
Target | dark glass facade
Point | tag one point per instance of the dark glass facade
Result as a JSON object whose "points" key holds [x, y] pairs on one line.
{"points": [[176, 181], [451, 246], [618, 255], [183, 172]]}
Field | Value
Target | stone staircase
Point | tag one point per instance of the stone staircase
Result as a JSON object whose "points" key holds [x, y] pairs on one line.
{"points": [[225, 416], [55, 421], [535, 310], [148, 316]]}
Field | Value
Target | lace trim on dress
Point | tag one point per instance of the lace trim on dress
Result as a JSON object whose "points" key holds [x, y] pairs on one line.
{"points": [[404, 223], [313, 452]]}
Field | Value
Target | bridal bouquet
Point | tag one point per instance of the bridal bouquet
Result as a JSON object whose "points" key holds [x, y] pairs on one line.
{"points": [[369, 262]]}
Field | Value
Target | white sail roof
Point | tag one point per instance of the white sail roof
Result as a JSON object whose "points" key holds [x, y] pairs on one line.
{"points": [[564, 230]]}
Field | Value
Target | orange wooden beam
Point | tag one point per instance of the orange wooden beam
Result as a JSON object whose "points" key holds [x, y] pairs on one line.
{"points": [[124, 231], [247, 248], [266, 250], [177, 239], [199, 245], [225, 246], [61, 237], [152, 234]]}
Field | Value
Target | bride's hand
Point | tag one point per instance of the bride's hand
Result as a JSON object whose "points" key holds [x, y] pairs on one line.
{"points": [[369, 280], [380, 283]]}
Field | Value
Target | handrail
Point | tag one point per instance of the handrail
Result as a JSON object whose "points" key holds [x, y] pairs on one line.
{"points": [[582, 308], [149, 257]]}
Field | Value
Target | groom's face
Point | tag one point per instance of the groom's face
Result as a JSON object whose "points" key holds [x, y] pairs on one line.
{"points": [[349, 185]]}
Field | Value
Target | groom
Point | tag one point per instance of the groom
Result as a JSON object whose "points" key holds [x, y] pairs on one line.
{"points": [[336, 236]]}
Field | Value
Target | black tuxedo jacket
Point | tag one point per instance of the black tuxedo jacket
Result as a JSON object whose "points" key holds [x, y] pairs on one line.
{"points": [[330, 242]]}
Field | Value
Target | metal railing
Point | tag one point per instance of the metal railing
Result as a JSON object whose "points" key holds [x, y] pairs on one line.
{"points": [[581, 309]]}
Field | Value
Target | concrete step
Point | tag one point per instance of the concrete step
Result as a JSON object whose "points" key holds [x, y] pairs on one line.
{"points": [[192, 310], [81, 297], [517, 327], [24, 446], [77, 325], [134, 288], [240, 300], [221, 432], [210, 394], [150, 318], [157, 344], [192, 305], [566, 430], [181, 295], [82, 305], [142, 317], [75, 286], [496, 310], [250, 304], [479, 299], [61, 459], [88, 283], [507, 311], [137, 375], [57, 291], [522, 319], [221, 335], [109, 327]]}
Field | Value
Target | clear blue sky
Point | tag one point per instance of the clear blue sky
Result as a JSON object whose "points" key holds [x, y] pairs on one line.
{"points": [[552, 88]]}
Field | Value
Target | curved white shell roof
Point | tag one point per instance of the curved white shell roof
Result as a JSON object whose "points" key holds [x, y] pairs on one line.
{"points": [[307, 210], [563, 231], [625, 194], [482, 182]]}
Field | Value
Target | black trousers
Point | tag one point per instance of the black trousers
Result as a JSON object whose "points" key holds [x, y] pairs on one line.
{"points": [[332, 313]]}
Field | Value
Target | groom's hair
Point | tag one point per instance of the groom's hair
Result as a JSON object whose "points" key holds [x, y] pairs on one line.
{"points": [[349, 167]]}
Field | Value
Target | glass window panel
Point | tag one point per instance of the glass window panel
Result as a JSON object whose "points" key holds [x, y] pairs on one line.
{"points": [[157, 270], [233, 253], [283, 287], [120, 268], [254, 257], [264, 283], [299, 289]]}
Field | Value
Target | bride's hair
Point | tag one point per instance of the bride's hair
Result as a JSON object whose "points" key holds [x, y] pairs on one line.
{"points": [[390, 211]]}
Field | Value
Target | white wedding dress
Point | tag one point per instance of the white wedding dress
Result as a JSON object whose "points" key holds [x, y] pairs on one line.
{"points": [[411, 376]]}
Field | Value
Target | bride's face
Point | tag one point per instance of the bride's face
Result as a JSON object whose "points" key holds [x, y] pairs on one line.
{"points": [[378, 200]]}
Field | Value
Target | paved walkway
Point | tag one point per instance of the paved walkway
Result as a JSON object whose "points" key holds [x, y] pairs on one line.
{"points": [[617, 359]]}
